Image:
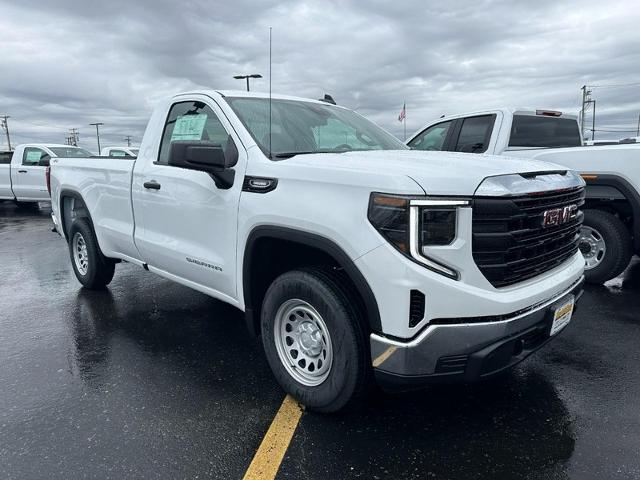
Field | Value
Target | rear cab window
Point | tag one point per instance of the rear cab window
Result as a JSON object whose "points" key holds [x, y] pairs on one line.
{"points": [[539, 131], [5, 158]]}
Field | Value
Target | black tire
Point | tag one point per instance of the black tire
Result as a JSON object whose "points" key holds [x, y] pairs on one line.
{"points": [[617, 240], [349, 373], [99, 270]]}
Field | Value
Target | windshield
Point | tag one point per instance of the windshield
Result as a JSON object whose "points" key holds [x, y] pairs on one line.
{"points": [[70, 152], [134, 151], [306, 127], [544, 132]]}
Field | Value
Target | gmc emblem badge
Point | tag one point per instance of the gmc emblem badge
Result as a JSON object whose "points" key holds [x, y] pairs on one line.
{"points": [[558, 216]]}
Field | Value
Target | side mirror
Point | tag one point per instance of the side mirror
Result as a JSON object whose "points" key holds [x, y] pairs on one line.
{"points": [[207, 157], [44, 161]]}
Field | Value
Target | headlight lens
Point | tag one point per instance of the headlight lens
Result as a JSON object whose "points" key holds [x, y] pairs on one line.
{"points": [[411, 223], [437, 226], [389, 214]]}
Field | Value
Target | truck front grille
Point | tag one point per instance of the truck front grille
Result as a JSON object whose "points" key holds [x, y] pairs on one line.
{"points": [[510, 243]]}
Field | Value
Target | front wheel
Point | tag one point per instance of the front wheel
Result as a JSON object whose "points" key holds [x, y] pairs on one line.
{"points": [[93, 270], [314, 340], [605, 243]]}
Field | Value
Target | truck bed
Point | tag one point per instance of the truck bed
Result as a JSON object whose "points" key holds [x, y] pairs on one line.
{"points": [[105, 185]]}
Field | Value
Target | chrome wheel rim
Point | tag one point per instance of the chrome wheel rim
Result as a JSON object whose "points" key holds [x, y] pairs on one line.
{"points": [[592, 246], [303, 342], [80, 255]]}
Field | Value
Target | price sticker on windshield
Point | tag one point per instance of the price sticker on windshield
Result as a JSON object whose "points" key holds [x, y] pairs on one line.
{"points": [[189, 127], [33, 156]]}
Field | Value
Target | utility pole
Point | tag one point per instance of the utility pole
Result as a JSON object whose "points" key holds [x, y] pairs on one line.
{"points": [[97, 125], [638, 129], [128, 139], [5, 127], [593, 122], [584, 99], [74, 136]]}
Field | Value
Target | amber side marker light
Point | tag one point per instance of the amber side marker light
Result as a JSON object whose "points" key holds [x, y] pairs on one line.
{"points": [[589, 177]]}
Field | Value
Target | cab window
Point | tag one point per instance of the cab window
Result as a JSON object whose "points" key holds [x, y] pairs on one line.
{"points": [[118, 153], [33, 155], [191, 121], [432, 138], [5, 157], [475, 134]]}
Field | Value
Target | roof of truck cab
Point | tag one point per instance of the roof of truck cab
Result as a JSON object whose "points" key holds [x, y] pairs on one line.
{"points": [[46, 145], [507, 111], [245, 94]]}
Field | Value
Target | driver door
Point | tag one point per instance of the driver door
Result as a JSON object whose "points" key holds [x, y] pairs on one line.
{"points": [[29, 182], [186, 226]]}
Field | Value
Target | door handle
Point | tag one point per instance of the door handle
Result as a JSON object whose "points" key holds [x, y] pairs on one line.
{"points": [[22, 171], [153, 185]]}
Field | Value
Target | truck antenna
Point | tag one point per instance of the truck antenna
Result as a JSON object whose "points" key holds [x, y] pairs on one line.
{"points": [[270, 151]]}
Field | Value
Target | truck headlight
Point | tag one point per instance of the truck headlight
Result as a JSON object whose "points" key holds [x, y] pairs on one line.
{"points": [[412, 223]]}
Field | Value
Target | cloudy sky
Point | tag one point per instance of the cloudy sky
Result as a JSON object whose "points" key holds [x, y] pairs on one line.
{"points": [[66, 64]]}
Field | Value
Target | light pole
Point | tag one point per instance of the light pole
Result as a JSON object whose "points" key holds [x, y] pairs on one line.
{"points": [[242, 77], [98, 133]]}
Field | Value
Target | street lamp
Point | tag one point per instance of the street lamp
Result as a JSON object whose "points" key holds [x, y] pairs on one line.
{"points": [[241, 77]]}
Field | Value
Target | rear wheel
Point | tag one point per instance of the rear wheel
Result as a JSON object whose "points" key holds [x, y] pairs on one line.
{"points": [[605, 244], [314, 340], [93, 270]]}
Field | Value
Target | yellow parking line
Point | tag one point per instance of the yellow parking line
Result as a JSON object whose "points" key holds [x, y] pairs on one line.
{"points": [[267, 460], [380, 359]]}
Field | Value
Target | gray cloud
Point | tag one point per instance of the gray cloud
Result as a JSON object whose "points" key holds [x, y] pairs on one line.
{"points": [[66, 64]]}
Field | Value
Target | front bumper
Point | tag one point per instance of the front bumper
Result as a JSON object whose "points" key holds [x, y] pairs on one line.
{"points": [[466, 349]]}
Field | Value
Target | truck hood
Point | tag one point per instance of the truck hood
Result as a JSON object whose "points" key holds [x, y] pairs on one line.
{"points": [[438, 173]]}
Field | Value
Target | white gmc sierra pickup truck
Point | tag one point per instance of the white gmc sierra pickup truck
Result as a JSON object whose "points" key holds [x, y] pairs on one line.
{"points": [[350, 254], [23, 178], [611, 230]]}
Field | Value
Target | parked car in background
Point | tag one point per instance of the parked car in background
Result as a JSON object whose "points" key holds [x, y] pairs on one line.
{"points": [[23, 177], [119, 152], [611, 230], [349, 254]]}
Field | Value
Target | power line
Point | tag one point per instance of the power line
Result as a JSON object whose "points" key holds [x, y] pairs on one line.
{"points": [[615, 85]]}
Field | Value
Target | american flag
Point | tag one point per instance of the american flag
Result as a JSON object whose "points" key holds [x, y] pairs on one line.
{"points": [[403, 112]]}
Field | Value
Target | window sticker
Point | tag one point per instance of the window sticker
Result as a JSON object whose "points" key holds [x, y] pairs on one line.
{"points": [[189, 127], [33, 156]]}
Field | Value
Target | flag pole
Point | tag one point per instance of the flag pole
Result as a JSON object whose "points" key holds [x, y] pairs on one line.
{"points": [[404, 120]]}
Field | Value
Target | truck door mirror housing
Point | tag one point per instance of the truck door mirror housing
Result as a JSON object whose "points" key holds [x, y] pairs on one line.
{"points": [[207, 157], [44, 161]]}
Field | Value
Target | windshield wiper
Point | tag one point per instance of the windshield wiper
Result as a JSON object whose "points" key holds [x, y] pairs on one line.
{"points": [[293, 154]]}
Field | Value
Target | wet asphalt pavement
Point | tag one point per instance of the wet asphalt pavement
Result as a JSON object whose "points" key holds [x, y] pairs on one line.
{"points": [[152, 380]]}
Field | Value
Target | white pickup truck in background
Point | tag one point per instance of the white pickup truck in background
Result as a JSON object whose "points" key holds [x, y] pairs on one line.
{"points": [[611, 230], [350, 254], [119, 152], [23, 177]]}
